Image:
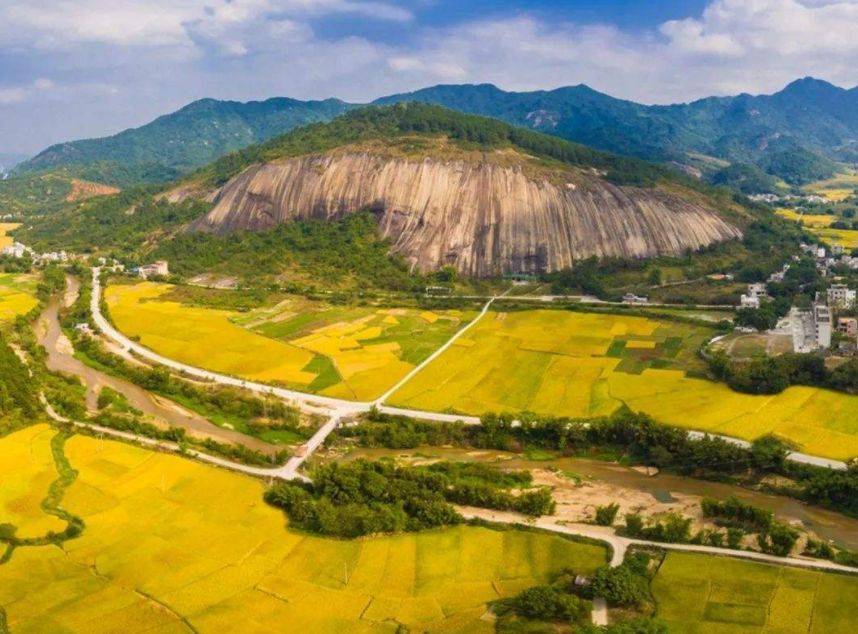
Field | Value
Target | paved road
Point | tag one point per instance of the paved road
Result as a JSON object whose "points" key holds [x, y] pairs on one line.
{"points": [[435, 354], [60, 358], [324, 404], [619, 545]]}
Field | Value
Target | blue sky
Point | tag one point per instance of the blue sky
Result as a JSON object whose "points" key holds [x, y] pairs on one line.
{"points": [[72, 69]]}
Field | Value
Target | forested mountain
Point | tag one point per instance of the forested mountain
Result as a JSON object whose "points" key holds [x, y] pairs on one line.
{"points": [[8, 161], [450, 189], [180, 142], [793, 135]]}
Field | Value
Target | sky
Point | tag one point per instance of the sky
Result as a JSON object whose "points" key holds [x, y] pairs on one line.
{"points": [[73, 69]]}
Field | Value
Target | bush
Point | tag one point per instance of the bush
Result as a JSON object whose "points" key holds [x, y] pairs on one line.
{"points": [[605, 514], [547, 603], [778, 539]]}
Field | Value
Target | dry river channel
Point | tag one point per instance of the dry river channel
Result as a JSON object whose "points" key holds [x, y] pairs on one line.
{"points": [[61, 359], [632, 488]]}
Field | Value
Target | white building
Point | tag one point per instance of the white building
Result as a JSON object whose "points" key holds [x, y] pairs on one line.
{"points": [[631, 298], [841, 296], [749, 301], [811, 329], [159, 268], [15, 250], [822, 325]]}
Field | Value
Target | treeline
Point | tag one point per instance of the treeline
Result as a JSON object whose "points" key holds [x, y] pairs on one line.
{"points": [[772, 375], [237, 452], [120, 222], [388, 122], [773, 537], [362, 497], [638, 437], [216, 401], [348, 250], [17, 388], [626, 586]]}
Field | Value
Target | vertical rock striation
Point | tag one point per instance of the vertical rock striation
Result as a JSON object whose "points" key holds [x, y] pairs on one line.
{"points": [[484, 218]]}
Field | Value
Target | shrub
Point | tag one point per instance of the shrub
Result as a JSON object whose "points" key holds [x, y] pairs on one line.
{"points": [[605, 514], [547, 603]]}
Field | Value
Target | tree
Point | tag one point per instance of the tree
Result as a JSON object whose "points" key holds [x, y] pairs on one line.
{"points": [[620, 586]]}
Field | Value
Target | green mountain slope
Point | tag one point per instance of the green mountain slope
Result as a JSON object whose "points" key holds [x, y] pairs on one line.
{"points": [[180, 142], [795, 134]]}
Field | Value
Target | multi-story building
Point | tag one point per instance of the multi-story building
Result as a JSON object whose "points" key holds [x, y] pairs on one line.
{"points": [[841, 296], [848, 326]]}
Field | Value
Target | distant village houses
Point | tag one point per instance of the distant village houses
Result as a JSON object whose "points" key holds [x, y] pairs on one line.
{"points": [[631, 298]]}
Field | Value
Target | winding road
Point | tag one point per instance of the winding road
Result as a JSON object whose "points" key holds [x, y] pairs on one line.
{"points": [[324, 405]]}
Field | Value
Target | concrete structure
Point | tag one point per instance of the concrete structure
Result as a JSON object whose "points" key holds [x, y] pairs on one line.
{"points": [[848, 326], [15, 250], [822, 325], [631, 298], [159, 268], [753, 298], [841, 297], [811, 329], [748, 301]]}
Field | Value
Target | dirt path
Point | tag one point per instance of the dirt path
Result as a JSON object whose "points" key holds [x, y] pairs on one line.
{"points": [[61, 359]]}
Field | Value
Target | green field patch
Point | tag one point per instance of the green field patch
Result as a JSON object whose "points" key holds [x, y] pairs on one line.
{"points": [[701, 593], [734, 613]]}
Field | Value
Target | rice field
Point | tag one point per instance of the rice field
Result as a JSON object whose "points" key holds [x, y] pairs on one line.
{"points": [[846, 238], [837, 188], [808, 220], [345, 352], [26, 472], [565, 363], [701, 594], [6, 227], [17, 295], [172, 545]]}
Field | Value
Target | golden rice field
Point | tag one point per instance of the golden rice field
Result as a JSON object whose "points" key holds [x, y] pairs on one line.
{"points": [[837, 188], [355, 353], [846, 238], [808, 220], [566, 363], [5, 228], [701, 594], [17, 295], [818, 225], [26, 472], [173, 545]]}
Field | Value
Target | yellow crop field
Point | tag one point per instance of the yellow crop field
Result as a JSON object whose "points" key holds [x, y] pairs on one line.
{"points": [[17, 295], [837, 188], [346, 352], [808, 220], [819, 226], [578, 364], [699, 593], [26, 471], [5, 228], [846, 238], [170, 544]]}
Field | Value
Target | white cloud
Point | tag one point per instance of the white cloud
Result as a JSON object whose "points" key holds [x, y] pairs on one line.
{"points": [[56, 24], [115, 63]]}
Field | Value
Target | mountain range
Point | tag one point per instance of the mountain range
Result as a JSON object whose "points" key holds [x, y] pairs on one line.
{"points": [[754, 142]]}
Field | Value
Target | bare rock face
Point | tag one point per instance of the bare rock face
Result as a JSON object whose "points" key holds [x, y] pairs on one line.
{"points": [[484, 218]]}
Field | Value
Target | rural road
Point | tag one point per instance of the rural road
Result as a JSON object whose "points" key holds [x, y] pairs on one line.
{"points": [[619, 545], [343, 407], [60, 358]]}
